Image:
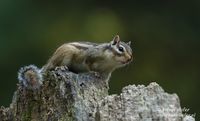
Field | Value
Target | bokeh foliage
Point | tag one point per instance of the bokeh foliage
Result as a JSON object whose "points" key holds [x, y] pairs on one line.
{"points": [[164, 34]]}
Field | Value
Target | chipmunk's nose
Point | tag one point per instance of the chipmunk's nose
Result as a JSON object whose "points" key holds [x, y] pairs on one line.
{"points": [[130, 58]]}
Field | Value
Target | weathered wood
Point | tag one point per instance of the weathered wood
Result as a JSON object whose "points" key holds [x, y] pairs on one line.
{"points": [[66, 96]]}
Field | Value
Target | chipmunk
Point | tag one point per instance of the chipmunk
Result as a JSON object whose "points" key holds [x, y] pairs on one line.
{"points": [[81, 57]]}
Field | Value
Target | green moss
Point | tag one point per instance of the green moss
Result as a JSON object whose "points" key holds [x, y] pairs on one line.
{"points": [[26, 116]]}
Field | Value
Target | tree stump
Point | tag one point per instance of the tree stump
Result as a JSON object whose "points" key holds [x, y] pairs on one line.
{"points": [[66, 96]]}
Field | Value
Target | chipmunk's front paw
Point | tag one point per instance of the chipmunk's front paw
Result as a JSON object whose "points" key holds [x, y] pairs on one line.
{"points": [[62, 68], [96, 74]]}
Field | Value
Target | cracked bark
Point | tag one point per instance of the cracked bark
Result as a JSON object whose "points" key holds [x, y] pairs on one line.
{"points": [[66, 96]]}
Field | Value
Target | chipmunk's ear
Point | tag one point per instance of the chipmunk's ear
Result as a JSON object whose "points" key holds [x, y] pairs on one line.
{"points": [[115, 40], [129, 43]]}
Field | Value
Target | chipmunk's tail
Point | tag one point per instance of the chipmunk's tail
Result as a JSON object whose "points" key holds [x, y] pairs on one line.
{"points": [[30, 77]]}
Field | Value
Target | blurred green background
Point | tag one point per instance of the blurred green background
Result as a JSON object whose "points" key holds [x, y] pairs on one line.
{"points": [[164, 34]]}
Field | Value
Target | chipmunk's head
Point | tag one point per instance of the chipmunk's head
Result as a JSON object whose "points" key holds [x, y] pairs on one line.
{"points": [[122, 52]]}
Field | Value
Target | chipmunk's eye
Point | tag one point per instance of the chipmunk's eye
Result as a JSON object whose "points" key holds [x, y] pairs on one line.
{"points": [[121, 49]]}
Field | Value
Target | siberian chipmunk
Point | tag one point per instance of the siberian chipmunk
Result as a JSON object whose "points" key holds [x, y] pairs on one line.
{"points": [[85, 56], [81, 57]]}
